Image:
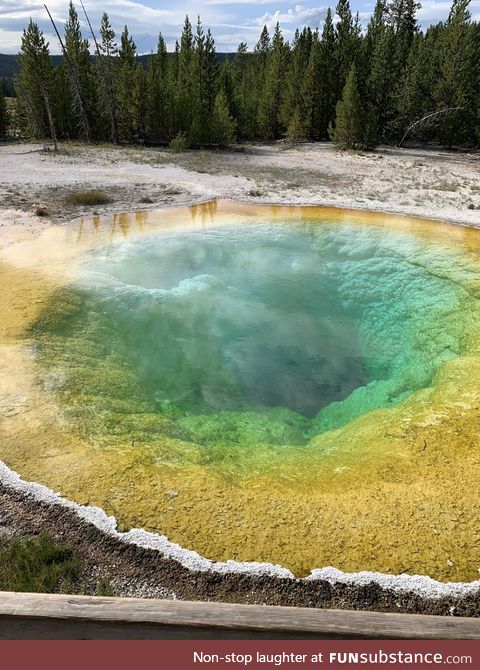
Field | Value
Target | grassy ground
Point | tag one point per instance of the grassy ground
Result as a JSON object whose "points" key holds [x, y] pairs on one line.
{"points": [[41, 565]]}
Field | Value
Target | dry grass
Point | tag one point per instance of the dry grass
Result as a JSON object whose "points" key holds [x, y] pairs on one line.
{"points": [[88, 198]]}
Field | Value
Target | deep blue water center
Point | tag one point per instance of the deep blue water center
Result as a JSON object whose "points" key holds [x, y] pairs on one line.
{"points": [[324, 320]]}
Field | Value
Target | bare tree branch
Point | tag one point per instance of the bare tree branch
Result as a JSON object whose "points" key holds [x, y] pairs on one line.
{"points": [[446, 110]]}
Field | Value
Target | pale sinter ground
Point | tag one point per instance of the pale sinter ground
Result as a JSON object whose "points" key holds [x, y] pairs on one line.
{"points": [[433, 184]]}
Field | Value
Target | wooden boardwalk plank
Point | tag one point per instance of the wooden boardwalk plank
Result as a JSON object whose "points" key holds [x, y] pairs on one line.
{"points": [[173, 619]]}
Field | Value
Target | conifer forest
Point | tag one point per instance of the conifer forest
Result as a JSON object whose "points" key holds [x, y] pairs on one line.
{"points": [[388, 82]]}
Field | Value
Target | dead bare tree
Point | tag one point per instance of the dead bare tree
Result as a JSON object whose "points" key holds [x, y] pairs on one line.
{"points": [[426, 118], [107, 94], [75, 86]]}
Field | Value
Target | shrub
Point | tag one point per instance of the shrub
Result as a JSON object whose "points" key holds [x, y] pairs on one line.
{"points": [[94, 197], [179, 143], [296, 128]]}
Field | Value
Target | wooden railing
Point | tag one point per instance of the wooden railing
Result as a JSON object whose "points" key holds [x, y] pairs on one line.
{"points": [[39, 616]]}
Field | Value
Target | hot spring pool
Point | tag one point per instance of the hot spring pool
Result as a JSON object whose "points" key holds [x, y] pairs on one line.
{"points": [[290, 385]]}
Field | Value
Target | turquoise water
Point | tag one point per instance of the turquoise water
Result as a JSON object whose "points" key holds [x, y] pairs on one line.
{"points": [[264, 332]]}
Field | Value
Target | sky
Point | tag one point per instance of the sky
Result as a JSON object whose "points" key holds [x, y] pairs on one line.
{"points": [[231, 21]]}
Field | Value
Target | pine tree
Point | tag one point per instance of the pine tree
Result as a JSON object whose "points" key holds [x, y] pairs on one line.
{"points": [[297, 130], [403, 20], [158, 98], [35, 81], [246, 86], [344, 45], [4, 116], [185, 90], [80, 73], [353, 128], [106, 81], [328, 79], [129, 87], [270, 104], [475, 80], [65, 120], [375, 28], [226, 83], [454, 86], [261, 57], [415, 93], [382, 81], [223, 124], [296, 73], [262, 49], [204, 80], [305, 122], [172, 86]]}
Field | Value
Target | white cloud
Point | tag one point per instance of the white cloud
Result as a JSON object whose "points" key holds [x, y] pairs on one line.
{"points": [[433, 11], [298, 15], [9, 41], [244, 2]]}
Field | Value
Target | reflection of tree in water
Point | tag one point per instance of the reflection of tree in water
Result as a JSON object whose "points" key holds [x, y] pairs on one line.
{"points": [[141, 219], [205, 212], [125, 222]]}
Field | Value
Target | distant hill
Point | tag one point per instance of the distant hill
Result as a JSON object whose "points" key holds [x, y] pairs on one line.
{"points": [[9, 64]]}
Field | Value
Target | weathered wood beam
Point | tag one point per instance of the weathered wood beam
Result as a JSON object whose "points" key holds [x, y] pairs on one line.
{"points": [[60, 616]]}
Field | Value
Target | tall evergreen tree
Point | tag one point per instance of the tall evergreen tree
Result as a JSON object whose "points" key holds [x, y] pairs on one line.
{"points": [[305, 122], [35, 83], [130, 88], [4, 117], [204, 81], [65, 119], [297, 66], [173, 124], [403, 20], [226, 83], [80, 72], [454, 85], [344, 45], [158, 98], [262, 49], [354, 127], [106, 81], [185, 89], [246, 87], [382, 80], [415, 92], [328, 79], [270, 104], [223, 124]]}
